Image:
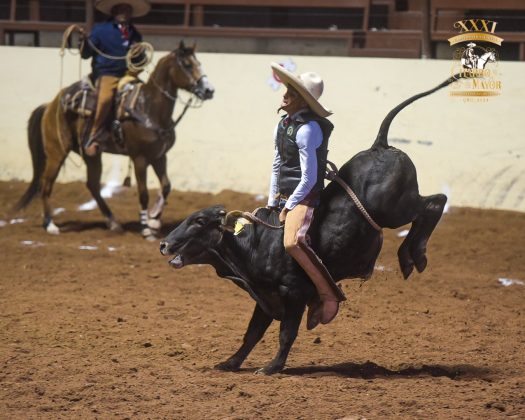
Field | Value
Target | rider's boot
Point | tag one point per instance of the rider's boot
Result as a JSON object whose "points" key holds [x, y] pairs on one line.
{"points": [[297, 223], [93, 145], [326, 306]]}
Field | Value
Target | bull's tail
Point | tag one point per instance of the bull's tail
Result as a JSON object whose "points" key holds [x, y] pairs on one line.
{"points": [[38, 157], [382, 136]]}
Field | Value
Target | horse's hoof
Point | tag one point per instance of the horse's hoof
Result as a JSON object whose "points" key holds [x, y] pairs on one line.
{"points": [[52, 229], [154, 224], [151, 238], [114, 226], [149, 234]]}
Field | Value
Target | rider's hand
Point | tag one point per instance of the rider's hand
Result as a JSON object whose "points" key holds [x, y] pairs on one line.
{"points": [[81, 37], [282, 215]]}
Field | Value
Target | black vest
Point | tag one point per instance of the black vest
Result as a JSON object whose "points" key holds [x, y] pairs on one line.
{"points": [[290, 171]]}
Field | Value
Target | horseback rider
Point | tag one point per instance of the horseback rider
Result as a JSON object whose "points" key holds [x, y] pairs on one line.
{"points": [[471, 58], [107, 41], [301, 148]]}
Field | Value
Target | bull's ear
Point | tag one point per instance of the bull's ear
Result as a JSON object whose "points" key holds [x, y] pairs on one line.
{"points": [[181, 45], [194, 47]]}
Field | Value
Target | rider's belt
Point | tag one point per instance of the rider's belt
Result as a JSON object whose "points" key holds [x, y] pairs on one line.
{"points": [[311, 199]]}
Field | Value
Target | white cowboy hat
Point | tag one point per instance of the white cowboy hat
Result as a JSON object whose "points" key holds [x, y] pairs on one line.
{"points": [[139, 7], [309, 85]]}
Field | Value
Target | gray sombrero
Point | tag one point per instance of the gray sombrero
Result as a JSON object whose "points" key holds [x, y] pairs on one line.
{"points": [[139, 7], [309, 85]]}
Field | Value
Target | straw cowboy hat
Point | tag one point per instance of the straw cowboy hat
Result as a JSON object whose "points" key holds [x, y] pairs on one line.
{"points": [[140, 7], [309, 85]]}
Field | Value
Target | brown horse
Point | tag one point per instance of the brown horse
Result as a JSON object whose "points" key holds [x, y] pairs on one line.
{"points": [[54, 132]]}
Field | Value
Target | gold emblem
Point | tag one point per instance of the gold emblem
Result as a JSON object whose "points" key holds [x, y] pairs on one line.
{"points": [[476, 59]]}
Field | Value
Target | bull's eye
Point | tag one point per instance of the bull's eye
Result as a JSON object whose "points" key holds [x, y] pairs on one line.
{"points": [[200, 221]]}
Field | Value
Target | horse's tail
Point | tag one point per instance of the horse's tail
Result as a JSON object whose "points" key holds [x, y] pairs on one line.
{"points": [[382, 136], [38, 157]]}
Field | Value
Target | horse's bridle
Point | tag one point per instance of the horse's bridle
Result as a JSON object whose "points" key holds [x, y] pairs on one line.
{"points": [[193, 83]]}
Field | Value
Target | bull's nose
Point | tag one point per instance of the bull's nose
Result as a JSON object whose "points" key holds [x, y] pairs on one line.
{"points": [[163, 247]]}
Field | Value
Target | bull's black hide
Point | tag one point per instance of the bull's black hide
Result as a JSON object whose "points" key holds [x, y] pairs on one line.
{"points": [[384, 179]]}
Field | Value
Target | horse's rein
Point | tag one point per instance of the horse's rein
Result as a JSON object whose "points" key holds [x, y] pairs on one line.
{"points": [[163, 91]]}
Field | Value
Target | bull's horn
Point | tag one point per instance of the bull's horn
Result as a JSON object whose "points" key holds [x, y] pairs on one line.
{"points": [[231, 217], [235, 221]]}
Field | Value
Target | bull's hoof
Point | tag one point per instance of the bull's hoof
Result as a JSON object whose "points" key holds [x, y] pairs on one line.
{"points": [[421, 263], [228, 366], [269, 370], [406, 263], [406, 269]]}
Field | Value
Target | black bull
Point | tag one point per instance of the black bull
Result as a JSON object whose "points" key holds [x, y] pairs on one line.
{"points": [[383, 177]]}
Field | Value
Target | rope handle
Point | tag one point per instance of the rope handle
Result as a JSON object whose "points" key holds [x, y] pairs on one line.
{"points": [[253, 218]]}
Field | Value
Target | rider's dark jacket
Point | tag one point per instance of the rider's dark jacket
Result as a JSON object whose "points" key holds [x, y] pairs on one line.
{"points": [[290, 170], [110, 39]]}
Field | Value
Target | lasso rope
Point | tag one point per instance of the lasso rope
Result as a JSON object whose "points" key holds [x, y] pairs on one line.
{"points": [[138, 57], [142, 50]]}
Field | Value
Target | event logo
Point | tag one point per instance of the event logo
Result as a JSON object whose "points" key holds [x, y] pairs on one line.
{"points": [[476, 60]]}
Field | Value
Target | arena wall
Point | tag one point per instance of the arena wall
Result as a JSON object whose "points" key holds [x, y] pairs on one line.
{"points": [[472, 151]]}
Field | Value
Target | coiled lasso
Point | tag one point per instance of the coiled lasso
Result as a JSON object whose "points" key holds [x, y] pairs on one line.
{"points": [[138, 57]]}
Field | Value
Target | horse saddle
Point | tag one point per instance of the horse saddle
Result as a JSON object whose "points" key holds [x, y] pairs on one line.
{"points": [[81, 97]]}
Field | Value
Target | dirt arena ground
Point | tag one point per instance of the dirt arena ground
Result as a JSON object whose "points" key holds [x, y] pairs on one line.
{"points": [[114, 332]]}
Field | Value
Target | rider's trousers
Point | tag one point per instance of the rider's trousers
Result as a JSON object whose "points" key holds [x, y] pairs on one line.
{"points": [[106, 86]]}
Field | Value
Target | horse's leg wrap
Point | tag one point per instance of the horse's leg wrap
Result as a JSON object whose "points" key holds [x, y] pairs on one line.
{"points": [[157, 208], [150, 227]]}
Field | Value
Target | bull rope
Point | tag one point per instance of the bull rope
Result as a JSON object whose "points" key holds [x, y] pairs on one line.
{"points": [[332, 176], [250, 216]]}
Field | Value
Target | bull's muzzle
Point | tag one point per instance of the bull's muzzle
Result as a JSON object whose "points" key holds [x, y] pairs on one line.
{"points": [[164, 248]]}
